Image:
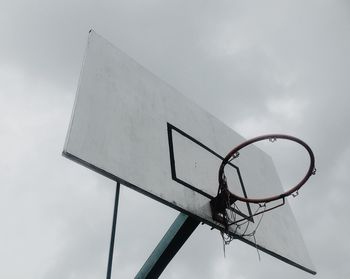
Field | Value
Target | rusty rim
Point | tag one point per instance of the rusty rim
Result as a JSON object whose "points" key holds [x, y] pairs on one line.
{"points": [[271, 137]]}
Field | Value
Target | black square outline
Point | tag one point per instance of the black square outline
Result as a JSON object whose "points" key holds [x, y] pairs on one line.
{"points": [[172, 128]]}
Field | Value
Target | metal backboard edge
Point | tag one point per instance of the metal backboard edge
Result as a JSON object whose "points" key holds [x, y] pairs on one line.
{"points": [[213, 225]]}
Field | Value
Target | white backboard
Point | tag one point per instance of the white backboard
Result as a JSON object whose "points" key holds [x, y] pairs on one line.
{"points": [[132, 127]]}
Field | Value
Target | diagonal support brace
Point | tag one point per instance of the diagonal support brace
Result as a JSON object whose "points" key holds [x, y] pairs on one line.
{"points": [[167, 248]]}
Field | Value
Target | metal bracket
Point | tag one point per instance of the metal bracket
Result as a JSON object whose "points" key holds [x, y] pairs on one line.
{"points": [[167, 248]]}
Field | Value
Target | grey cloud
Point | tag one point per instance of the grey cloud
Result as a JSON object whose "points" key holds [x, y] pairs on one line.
{"points": [[236, 59]]}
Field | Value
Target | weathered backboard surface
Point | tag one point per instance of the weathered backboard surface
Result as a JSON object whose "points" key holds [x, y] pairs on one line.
{"points": [[132, 127]]}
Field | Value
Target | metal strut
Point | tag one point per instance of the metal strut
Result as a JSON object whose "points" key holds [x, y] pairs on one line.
{"points": [[114, 223], [167, 248]]}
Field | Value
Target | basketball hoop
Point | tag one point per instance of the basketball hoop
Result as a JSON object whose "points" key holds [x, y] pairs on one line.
{"points": [[224, 208]]}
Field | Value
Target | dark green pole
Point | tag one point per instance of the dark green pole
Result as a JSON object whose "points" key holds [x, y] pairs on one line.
{"points": [[111, 246], [167, 248]]}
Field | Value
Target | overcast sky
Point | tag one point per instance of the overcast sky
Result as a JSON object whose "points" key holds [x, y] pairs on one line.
{"points": [[259, 66]]}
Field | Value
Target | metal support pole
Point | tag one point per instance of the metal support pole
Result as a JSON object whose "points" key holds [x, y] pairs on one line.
{"points": [[111, 247], [167, 248]]}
